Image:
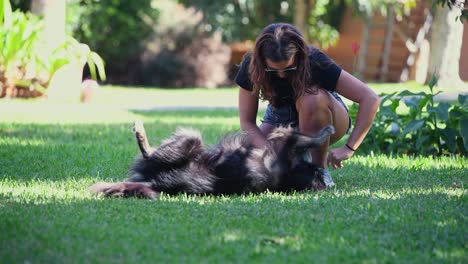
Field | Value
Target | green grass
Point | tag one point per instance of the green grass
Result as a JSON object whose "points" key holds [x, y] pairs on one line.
{"points": [[384, 209]]}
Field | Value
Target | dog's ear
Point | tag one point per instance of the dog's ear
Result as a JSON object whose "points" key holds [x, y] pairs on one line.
{"points": [[306, 142]]}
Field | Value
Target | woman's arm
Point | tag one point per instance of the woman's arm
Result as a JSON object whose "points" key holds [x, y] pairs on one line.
{"points": [[357, 91], [248, 108]]}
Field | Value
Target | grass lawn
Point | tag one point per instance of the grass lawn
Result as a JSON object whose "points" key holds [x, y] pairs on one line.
{"points": [[384, 209]]}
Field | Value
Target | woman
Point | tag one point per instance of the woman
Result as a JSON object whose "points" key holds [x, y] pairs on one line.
{"points": [[302, 85]]}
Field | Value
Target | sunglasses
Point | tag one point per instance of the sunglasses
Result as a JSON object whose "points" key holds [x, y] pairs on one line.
{"points": [[289, 69]]}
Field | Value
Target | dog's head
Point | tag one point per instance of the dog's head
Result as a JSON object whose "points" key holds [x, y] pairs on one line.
{"points": [[291, 148], [287, 149]]}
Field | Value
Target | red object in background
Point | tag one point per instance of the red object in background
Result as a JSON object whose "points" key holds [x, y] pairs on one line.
{"points": [[355, 47]]}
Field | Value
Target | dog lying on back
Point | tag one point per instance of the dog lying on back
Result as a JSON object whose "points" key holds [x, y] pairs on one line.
{"points": [[182, 164]]}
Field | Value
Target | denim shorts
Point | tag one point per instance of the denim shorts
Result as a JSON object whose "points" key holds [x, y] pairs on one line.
{"points": [[288, 115]]}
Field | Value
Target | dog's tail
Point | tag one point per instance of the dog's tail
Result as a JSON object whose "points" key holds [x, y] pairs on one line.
{"points": [[123, 189], [140, 135]]}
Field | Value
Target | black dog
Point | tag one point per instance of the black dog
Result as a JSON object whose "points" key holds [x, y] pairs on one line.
{"points": [[181, 164]]}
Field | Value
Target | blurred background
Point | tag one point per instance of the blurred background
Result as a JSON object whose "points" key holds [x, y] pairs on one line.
{"points": [[200, 43]]}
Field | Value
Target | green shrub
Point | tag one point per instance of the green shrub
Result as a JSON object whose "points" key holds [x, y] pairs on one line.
{"points": [[22, 66], [427, 128], [116, 29], [182, 53]]}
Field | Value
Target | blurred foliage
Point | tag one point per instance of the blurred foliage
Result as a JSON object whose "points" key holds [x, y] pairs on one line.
{"points": [[22, 65], [324, 22], [125, 33], [241, 20], [22, 5], [116, 29], [368, 7], [462, 5], [181, 52]]}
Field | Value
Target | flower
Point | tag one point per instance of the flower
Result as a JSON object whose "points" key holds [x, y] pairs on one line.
{"points": [[355, 47]]}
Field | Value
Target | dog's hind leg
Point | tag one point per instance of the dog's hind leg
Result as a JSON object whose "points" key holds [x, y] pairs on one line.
{"points": [[183, 146], [124, 189], [142, 140]]}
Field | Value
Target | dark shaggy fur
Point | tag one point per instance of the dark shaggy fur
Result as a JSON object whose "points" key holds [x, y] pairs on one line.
{"points": [[182, 164]]}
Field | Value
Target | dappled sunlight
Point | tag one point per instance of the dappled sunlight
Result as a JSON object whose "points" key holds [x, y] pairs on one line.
{"points": [[41, 112], [231, 121], [413, 163], [452, 254], [40, 191], [263, 244], [156, 98], [385, 194], [15, 141]]}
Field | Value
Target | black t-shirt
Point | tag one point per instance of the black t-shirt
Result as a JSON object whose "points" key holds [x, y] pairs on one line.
{"points": [[325, 74]]}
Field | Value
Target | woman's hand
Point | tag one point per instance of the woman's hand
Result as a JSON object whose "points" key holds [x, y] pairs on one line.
{"points": [[336, 156]]}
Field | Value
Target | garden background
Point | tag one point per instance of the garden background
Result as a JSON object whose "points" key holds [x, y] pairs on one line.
{"points": [[75, 74]]}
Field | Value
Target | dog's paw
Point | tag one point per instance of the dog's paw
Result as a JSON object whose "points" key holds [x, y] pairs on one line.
{"points": [[325, 178], [117, 190], [123, 189], [107, 189], [100, 187], [318, 185]]}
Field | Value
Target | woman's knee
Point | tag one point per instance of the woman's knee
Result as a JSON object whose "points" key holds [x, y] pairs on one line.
{"points": [[315, 107]]}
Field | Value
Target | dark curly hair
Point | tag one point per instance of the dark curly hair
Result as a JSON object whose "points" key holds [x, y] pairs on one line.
{"points": [[281, 42]]}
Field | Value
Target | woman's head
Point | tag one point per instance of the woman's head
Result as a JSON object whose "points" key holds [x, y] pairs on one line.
{"points": [[280, 50]]}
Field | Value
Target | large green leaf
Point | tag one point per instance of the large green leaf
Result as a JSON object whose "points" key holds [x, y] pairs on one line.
{"points": [[408, 93], [413, 125], [432, 82], [441, 111], [462, 99], [5, 14], [464, 131], [421, 140], [449, 136], [94, 60], [413, 101]]}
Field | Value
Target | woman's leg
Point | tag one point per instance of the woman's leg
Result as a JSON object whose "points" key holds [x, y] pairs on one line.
{"points": [[317, 111]]}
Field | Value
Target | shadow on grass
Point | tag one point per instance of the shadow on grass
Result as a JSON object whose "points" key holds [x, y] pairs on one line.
{"points": [[269, 227]]}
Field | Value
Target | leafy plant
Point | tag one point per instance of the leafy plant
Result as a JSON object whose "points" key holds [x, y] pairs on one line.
{"points": [[18, 43], [22, 66], [428, 127]]}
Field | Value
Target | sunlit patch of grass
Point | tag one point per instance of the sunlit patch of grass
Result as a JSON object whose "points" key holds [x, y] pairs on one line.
{"points": [[42, 112]]}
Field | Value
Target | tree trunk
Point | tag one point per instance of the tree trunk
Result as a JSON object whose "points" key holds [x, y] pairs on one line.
{"points": [[300, 16], [446, 41], [54, 22], [65, 84], [387, 49], [362, 64]]}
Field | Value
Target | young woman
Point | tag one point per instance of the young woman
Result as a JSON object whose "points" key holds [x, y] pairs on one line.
{"points": [[301, 85]]}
